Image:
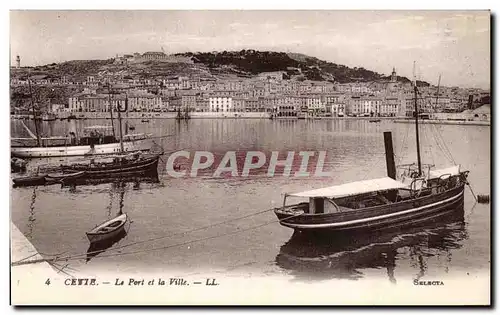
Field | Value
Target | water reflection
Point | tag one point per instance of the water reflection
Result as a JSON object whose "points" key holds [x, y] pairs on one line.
{"points": [[100, 247], [31, 216], [342, 256], [116, 181]]}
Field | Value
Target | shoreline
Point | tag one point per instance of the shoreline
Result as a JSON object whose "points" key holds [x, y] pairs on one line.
{"points": [[239, 115], [445, 122]]}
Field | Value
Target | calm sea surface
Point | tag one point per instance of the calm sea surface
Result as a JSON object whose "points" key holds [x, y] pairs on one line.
{"points": [[55, 219]]}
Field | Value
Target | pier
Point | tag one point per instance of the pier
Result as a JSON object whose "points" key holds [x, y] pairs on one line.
{"points": [[23, 277]]}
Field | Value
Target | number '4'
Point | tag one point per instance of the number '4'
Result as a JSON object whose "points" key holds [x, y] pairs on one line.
{"points": [[48, 281]]}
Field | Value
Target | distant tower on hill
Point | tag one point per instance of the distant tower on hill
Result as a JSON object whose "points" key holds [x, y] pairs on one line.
{"points": [[394, 77], [18, 62]]}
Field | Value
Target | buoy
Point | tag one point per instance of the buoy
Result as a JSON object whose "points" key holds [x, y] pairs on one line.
{"points": [[483, 198]]}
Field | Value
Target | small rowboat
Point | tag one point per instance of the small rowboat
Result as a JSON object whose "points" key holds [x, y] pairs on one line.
{"points": [[108, 229]]}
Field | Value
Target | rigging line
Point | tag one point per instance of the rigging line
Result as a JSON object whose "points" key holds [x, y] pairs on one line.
{"points": [[426, 140], [374, 163], [441, 143], [61, 269], [29, 257], [439, 134], [438, 143], [405, 138], [471, 211], [473, 194], [77, 257], [446, 146], [200, 239], [173, 234], [68, 267], [42, 254], [440, 146], [403, 146]]}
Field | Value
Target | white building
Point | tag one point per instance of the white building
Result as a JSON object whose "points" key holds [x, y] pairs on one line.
{"points": [[75, 104], [144, 102], [220, 104], [315, 104], [338, 110]]}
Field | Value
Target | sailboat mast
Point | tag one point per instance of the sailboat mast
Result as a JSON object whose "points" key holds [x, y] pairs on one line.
{"points": [[437, 95], [111, 110], [34, 112], [120, 128], [416, 121]]}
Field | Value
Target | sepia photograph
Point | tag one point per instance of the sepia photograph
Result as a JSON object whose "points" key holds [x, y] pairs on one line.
{"points": [[250, 157]]}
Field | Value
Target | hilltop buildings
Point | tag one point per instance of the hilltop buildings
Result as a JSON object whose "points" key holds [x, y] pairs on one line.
{"points": [[267, 92]]}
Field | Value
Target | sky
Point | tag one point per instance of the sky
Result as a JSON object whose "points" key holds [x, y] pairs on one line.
{"points": [[453, 44]]}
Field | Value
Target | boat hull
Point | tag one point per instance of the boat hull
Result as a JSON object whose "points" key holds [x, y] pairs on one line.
{"points": [[95, 236], [397, 215], [98, 238], [80, 150], [29, 181], [142, 168]]}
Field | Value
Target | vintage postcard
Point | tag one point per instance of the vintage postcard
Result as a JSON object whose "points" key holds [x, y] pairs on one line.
{"points": [[245, 157]]}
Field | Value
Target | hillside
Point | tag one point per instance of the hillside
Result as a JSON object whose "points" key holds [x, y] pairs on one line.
{"points": [[244, 63], [300, 66]]}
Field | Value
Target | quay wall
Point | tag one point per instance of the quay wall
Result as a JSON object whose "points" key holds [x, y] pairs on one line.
{"points": [[445, 122], [27, 279]]}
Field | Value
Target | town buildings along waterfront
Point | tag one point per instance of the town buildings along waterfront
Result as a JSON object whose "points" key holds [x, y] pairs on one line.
{"points": [[268, 94]]}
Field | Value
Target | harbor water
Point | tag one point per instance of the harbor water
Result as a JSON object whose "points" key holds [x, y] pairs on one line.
{"points": [[55, 219]]}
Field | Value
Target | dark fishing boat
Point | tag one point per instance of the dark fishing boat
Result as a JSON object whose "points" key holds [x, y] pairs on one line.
{"points": [[374, 120], [38, 180], [46, 179], [120, 166], [416, 196], [108, 230], [133, 164]]}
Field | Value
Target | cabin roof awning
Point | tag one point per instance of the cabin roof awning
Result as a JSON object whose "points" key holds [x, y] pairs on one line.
{"points": [[451, 171], [354, 188]]}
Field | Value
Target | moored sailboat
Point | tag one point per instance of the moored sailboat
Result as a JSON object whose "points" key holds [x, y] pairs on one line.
{"points": [[415, 197], [97, 140], [122, 165]]}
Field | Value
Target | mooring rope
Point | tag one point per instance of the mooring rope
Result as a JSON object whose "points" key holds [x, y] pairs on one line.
{"points": [[78, 256]]}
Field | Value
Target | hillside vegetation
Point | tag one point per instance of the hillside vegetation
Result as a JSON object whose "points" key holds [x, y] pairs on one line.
{"points": [[244, 63]]}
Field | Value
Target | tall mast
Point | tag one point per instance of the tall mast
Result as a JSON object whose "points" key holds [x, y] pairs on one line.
{"points": [[120, 126], [111, 110], [34, 112], [120, 123], [416, 121], [437, 95]]}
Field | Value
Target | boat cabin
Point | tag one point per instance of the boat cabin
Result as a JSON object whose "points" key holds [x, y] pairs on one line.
{"points": [[97, 135], [350, 196], [372, 193]]}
